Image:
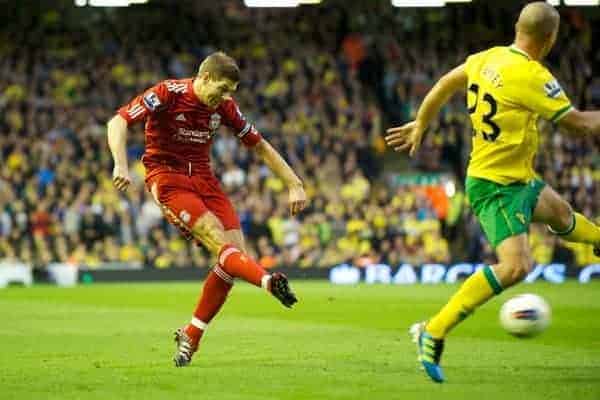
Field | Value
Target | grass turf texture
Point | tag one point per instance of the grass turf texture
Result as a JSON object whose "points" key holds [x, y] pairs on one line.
{"points": [[115, 342]]}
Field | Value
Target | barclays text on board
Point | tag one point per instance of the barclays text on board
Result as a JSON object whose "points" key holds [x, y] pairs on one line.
{"points": [[407, 274]]}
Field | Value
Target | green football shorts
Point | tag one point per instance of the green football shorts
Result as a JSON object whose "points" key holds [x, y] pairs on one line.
{"points": [[503, 210]]}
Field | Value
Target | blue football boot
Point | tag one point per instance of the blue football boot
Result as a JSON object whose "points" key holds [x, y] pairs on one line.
{"points": [[429, 351]]}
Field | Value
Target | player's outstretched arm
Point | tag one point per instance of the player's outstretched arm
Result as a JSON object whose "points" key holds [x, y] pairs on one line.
{"points": [[277, 164], [409, 136], [581, 122], [117, 140]]}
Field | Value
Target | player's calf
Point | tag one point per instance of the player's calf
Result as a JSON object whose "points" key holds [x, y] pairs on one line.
{"points": [[562, 221], [515, 261], [520, 270], [236, 264], [209, 231], [511, 273]]}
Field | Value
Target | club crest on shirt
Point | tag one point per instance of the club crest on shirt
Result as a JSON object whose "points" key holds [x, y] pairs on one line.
{"points": [[151, 101], [215, 122], [185, 216], [552, 89]]}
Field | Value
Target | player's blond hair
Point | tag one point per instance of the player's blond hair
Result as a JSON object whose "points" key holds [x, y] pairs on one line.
{"points": [[538, 20], [219, 65]]}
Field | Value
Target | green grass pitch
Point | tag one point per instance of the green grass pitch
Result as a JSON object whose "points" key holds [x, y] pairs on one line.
{"points": [[114, 341]]}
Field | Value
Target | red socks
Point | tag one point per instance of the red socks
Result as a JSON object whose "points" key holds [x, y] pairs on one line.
{"points": [[232, 264], [214, 293], [239, 265]]}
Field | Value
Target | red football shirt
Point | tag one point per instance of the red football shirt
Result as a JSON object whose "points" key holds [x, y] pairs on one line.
{"points": [[180, 128]]}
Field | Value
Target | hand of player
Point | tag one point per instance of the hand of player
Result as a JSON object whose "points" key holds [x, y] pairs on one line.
{"points": [[121, 178], [297, 199], [407, 136]]}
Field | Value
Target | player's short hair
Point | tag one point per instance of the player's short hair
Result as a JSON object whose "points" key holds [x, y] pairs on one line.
{"points": [[538, 19], [219, 65]]}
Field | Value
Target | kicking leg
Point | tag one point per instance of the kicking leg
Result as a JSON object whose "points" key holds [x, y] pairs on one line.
{"points": [[555, 212], [276, 283], [209, 231], [515, 263]]}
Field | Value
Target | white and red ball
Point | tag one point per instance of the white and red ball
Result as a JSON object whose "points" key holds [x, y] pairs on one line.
{"points": [[525, 315]]}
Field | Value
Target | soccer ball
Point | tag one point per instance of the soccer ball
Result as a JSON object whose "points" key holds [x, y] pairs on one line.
{"points": [[525, 315]]}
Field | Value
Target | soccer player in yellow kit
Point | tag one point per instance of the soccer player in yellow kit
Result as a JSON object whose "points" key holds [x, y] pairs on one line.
{"points": [[508, 90]]}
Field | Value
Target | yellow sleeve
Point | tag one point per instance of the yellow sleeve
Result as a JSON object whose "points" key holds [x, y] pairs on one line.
{"points": [[469, 64], [540, 92], [472, 62]]}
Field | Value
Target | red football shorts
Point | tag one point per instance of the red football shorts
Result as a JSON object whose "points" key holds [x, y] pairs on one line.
{"points": [[183, 199]]}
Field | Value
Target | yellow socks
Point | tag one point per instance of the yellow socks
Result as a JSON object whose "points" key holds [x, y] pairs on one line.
{"points": [[581, 231], [476, 290], [483, 284]]}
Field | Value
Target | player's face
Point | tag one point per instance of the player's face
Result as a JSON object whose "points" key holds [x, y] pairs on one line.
{"points": [[214, 91]]}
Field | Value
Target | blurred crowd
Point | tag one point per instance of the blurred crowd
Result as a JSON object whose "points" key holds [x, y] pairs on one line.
{"points": [[323, 94], [568, 163]]}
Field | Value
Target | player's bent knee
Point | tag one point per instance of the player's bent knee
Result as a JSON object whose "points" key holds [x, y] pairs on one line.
{"points": [[564, 217], [561, 216], [236, 238], [513, 270], [520, 269], [209, 231]]}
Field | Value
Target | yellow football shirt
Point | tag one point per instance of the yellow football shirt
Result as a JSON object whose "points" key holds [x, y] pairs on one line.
{"points": [[507, 93]]}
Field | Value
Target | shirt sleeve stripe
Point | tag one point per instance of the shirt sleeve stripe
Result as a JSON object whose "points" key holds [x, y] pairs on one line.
{"points": [[244, 131], [561, 113]]}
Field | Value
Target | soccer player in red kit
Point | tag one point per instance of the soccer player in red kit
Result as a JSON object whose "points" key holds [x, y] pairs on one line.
{"points": [[181, 118]]}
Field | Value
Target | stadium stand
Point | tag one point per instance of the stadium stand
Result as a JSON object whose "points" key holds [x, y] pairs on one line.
{"points": [[323, 98]]}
